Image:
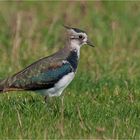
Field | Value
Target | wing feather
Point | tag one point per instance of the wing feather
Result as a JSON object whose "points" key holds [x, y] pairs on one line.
{"points": [[39, 76]]}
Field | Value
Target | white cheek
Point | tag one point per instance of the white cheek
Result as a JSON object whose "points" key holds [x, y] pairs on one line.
{"points": [[85, 40]]}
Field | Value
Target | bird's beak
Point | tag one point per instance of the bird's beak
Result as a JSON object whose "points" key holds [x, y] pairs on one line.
{"points": [[89, 43]]}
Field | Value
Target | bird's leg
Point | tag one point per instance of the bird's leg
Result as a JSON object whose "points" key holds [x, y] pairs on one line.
{"points": [[46, 99]]}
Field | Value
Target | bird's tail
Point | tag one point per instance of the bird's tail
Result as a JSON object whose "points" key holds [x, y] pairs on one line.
{"points": [[2, 85]]}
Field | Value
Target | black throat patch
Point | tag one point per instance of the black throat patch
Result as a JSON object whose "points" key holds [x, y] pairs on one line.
{"points": [[73, 59]]}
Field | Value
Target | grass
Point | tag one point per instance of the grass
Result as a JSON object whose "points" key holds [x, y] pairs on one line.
{"points": [[103, 101]]}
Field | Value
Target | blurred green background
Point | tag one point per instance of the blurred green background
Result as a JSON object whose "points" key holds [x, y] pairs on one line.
{"points": [[103, 101]]}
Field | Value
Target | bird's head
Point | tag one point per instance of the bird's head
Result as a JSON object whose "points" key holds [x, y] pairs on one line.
{"points": [[78, 37]]}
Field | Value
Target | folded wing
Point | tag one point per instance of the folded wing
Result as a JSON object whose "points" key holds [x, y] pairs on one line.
{"points": [[39, 75]]}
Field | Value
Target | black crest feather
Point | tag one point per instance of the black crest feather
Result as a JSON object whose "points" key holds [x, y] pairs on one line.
{"points": [[75, 29]]}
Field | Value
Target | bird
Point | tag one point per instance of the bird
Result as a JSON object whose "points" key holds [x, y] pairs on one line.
{"points": [[49, 76]]}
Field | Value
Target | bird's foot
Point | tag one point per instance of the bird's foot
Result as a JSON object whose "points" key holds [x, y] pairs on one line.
{"points": [[46, 99]]}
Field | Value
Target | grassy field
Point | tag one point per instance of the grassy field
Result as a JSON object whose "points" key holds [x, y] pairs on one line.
{"points": [[103, 101]]}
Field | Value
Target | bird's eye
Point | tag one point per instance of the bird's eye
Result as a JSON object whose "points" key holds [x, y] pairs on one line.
{"points": [[80, 37]]}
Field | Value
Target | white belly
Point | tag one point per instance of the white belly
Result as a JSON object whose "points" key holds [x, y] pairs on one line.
{"points": [[59, 86]]}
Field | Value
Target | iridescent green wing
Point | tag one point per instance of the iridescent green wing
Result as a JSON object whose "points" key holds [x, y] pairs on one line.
{"points": [[40, 75]]}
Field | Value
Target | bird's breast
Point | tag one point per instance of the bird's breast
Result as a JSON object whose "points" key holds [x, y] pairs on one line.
{"points": [[73, 59], [65, 80], [59, 86]]}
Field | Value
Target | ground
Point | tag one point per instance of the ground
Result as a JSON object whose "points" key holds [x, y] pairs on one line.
{"points": [[103, 101]]}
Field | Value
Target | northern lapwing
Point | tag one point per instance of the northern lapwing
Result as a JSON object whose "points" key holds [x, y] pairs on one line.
{"points": [[49, 76]]}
